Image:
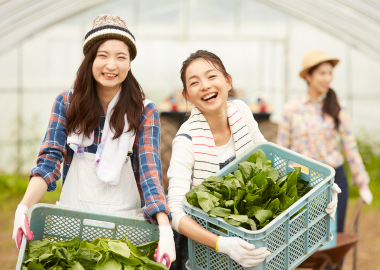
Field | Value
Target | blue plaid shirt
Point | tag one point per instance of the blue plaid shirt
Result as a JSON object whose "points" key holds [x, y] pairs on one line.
{"points": [[146, 161]]}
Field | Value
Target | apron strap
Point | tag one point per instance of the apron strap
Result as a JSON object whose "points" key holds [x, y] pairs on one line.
{"points": [[131, 144]]}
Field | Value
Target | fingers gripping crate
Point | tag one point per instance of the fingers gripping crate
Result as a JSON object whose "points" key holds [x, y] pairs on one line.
{"points": [[64, 223], [291, 237]]}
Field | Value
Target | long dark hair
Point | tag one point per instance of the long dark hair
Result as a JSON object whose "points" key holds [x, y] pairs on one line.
{"points": [[85, 109], [206, 55], [330, 104]]}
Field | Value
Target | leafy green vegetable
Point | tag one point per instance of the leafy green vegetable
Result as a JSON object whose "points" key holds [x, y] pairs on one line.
{"points": [[206, 200], [263, 215], [220, 212], [101, 253], [252, 196]]}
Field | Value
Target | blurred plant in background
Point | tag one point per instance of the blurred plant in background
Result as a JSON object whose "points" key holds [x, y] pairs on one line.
{"points": [[13, 186], [369, 148]]}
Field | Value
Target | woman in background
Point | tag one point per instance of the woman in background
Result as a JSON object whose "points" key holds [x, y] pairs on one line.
{"points": [[315, 125]]}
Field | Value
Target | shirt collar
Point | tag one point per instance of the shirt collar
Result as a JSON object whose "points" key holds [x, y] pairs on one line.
{"points": [[307, 98]]}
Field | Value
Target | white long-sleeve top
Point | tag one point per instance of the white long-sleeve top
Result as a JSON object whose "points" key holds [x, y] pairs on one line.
{"points": [[180, 171]]}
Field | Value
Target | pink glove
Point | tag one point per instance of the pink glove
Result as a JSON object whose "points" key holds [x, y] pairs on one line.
{"points": [[331, 207], [244, 253], [21, 225], [166, 246]]}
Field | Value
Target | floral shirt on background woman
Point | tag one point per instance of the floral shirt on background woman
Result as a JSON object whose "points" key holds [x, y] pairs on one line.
{"points": [[306, 130]]}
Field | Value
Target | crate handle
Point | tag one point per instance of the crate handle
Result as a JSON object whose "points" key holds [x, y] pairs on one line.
{"points": [[99, 223]]}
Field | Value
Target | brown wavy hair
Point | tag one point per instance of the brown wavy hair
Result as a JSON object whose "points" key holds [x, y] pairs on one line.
{"points": [[330, 104], [206, 55], [85, 109]]}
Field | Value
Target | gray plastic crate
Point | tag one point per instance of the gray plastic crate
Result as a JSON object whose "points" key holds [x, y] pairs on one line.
{"points": [[64, 223]]}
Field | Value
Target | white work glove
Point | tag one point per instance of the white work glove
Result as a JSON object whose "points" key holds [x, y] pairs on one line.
{"points": [[166, 246], [365, 193], [21, 225], [242, 252], [331, 207]]}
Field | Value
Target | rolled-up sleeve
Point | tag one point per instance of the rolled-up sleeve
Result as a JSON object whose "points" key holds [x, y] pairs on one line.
{"points": [[180, 176], [149, 160], [53, 151]]}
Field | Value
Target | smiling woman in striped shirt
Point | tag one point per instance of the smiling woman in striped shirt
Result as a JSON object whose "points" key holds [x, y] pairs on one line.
{"points": [[216, 132]]}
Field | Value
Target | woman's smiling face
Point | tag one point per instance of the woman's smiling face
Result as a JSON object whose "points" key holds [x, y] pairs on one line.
{"points": [[206, 87], [111, 65]]}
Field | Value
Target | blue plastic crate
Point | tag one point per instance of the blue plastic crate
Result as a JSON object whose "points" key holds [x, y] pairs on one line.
{"points": [[290, 239], [334, 231], [64, 223]]}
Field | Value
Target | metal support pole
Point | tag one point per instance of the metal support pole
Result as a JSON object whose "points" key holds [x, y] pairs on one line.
{"points": [[136, 16], [19, 159], [356, 245], [237, 10], [185, 11], [349, 94], [286, 61]]}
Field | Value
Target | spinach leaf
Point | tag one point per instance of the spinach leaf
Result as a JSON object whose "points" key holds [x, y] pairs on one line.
{"points": [[236, 220], [119, 248], [228, 190], [35, 266], [274, 205], [260, 179], [207, 201], [253, 210], [239, 177], [281, 181], [258, 154], [273, 173], [263, 215], [292, 181], [246, 170], [252, 224], [220, 212]]}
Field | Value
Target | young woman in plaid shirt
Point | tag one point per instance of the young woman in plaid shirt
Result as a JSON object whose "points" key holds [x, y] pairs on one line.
{"points": [[108, 137]]}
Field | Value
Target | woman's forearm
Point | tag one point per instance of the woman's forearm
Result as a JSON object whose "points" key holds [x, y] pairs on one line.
{"points": [[36, 189], [162, 218], [196, 232]]}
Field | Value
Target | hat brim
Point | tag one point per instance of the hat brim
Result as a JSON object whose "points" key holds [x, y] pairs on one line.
{"points": [[304, 71]]}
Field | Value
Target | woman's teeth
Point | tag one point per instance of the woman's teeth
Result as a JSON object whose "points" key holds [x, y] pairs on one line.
{"points": [[210, 96], [109, 75]]}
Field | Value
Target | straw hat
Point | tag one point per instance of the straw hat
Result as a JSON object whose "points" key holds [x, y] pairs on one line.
{"points": [[313, 58], [109, 27]]}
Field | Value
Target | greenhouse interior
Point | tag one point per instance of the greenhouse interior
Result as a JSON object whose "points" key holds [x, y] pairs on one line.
{"points": [[261, 43]]}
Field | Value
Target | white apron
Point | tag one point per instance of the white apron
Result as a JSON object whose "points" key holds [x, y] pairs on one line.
{"points": [[84, 190]]}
